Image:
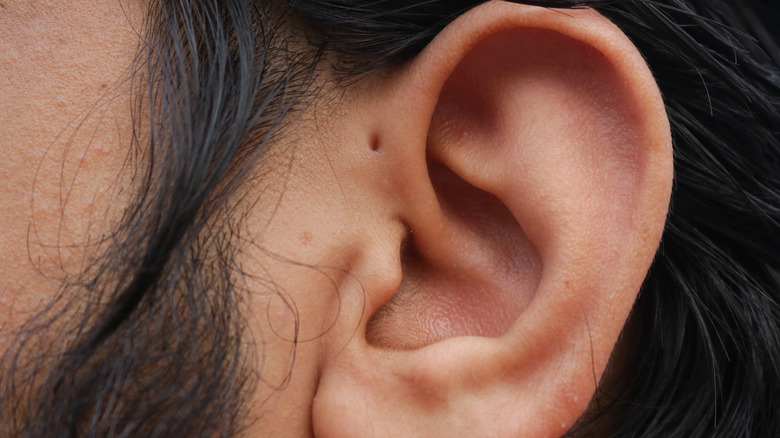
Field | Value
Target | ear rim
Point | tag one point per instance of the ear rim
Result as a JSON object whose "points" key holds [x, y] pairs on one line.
{"points": [[435, 65]]}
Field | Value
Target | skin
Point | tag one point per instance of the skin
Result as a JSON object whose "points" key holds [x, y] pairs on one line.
{"points": [[65, 115], [338, 197]]}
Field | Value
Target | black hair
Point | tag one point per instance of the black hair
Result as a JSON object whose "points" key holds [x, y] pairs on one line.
{"points": [[219, 79]]}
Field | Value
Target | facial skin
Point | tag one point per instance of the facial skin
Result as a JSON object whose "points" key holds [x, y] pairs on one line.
{"points": [[391, 221], [65, 117], [64, 78]]}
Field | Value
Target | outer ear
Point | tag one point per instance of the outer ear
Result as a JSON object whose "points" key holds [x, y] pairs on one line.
{"points": [[531, 159]]}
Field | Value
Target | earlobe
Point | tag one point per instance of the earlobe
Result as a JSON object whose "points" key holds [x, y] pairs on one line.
{"points": [[532, 161]]}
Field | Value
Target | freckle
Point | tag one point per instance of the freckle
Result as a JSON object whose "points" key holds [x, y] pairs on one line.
{"points": [[305, 238], [103, 86], [375, 143]]}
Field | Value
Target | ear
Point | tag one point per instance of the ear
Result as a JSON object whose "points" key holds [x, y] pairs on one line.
{"points": [[530, 157]]}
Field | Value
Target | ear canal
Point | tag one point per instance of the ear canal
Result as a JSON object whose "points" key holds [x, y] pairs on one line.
{"points": [[477, 288], [531, 157]]}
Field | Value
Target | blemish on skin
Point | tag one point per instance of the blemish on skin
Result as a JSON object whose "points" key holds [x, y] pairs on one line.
{"points": [[563, 425], [305, 238], [375, 143]]}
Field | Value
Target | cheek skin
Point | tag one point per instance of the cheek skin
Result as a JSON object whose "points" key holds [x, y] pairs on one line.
{"points": [[65, 132]]}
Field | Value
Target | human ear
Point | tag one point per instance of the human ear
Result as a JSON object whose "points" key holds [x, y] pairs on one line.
{"points": [[529, 155]]}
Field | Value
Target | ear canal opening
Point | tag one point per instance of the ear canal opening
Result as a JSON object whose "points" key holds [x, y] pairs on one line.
{"points": [[476, 284]]}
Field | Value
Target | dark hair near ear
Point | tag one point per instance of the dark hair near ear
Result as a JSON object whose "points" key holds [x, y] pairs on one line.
{"points": [[702, 345]]}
